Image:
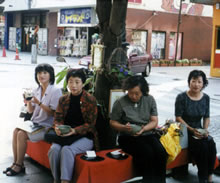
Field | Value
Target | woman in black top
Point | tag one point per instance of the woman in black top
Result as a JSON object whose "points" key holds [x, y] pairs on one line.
{"points": [[192, 109]]}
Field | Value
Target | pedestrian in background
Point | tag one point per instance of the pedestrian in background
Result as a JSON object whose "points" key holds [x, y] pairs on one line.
{"points": [[192, 108]]}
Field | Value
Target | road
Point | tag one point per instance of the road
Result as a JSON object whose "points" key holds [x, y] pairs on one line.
{"points": [[165, 84]]}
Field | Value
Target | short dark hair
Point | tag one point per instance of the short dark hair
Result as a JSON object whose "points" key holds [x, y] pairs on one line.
{"points": [[45, 67], [134, 81], [197, 73], [80, 73]]}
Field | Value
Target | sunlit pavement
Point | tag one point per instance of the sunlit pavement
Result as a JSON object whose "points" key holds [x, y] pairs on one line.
{"points": [[165, 84]]}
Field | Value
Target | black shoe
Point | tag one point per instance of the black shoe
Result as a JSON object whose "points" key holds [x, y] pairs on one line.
{"points": [[8, 169], [13, 172]]}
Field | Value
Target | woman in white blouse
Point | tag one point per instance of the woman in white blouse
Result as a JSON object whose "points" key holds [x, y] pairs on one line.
{"points": [[42, 105]]}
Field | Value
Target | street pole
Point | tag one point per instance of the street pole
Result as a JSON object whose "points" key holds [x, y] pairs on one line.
{"points": [[178, 30]]}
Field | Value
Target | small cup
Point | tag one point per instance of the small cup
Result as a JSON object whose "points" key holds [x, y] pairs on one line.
{"points": [[116, 154], [135, 128], [202, 131], [64, 129], [28, 96], [28, 93]]}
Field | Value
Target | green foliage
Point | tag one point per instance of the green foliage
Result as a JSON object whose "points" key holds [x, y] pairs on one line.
{"points": [[60, 76], [186, 61], [118, 74], [179, 61], [155, 62]]}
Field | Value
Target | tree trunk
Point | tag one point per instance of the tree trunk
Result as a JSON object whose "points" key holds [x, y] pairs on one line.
{"points": [[112, 17]]}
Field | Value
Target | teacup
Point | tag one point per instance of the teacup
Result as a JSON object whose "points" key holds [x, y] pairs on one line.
{"points": [[116, 154], [64, 129], [28, 94], [135, 128], [202, 131]]}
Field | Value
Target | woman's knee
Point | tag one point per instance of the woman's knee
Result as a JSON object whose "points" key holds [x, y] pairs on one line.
{"points": [[15, 132], [55, 148], [67, 149], [22, 135]]}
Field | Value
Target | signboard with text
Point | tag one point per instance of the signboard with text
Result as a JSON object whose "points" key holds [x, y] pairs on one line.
{"points": [[76, 16]]}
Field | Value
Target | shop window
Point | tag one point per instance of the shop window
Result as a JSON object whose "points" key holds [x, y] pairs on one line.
{"points": [[218, 38], [139, 38], [158, 45], [172, 46], [73, 42], [43, 21]]}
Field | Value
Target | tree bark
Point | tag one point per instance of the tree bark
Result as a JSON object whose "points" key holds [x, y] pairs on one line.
{"points": [[112, 17]]}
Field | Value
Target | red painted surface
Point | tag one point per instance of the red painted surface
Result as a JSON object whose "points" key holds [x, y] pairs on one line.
{"points": [[93, 171], [217, 61]]}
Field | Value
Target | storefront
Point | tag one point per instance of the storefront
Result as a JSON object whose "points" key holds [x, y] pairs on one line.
{"points": [[75, 29], [215, 60], [28, 28], [154, 26]]}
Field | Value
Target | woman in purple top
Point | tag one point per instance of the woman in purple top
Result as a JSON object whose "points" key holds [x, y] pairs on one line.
{"points": [[42, 105]]}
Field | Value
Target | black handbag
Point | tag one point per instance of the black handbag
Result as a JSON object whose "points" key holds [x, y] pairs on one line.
{"points": [[52, 137]]}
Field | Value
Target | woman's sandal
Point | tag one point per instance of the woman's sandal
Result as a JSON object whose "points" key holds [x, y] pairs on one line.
{"points": [[13, 172], [8, 169]]}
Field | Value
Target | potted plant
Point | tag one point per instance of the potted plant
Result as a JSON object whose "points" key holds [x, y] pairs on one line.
{"points": [[171, 63], [185, 62], [179, 63], [118, 74], [199, 62], [163, 63], [195, 62], [155, 63]]}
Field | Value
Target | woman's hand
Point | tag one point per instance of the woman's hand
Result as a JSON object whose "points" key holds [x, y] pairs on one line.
{"points": [[140, 132], [57, 130], [198, 134], [26, 101], [72, 132], [35, 100], [127, 128]]}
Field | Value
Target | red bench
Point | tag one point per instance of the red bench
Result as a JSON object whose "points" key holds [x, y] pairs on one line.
{"points": [[38, 152], [87, 171]]}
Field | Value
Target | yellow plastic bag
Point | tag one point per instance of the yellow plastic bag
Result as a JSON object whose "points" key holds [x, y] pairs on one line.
{"points": [[171, 142]]}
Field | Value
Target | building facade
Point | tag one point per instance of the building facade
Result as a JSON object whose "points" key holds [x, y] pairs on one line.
{"points": [[59, 28], [151, 23]]}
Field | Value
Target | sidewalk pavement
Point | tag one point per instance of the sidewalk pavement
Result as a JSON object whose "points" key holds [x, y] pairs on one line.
{"points": [[25, 59], [35, 173]]}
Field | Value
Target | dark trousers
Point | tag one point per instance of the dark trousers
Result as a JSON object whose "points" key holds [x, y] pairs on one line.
{"points": [[203, 151], [149, 156]]}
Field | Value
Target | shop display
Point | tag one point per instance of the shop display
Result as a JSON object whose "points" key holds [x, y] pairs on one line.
{"points": [[12, 38], [42, 37], [73, 43]]}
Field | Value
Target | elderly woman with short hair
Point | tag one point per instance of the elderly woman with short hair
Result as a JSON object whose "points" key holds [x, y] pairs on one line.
{"points": [[138, 107]]}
